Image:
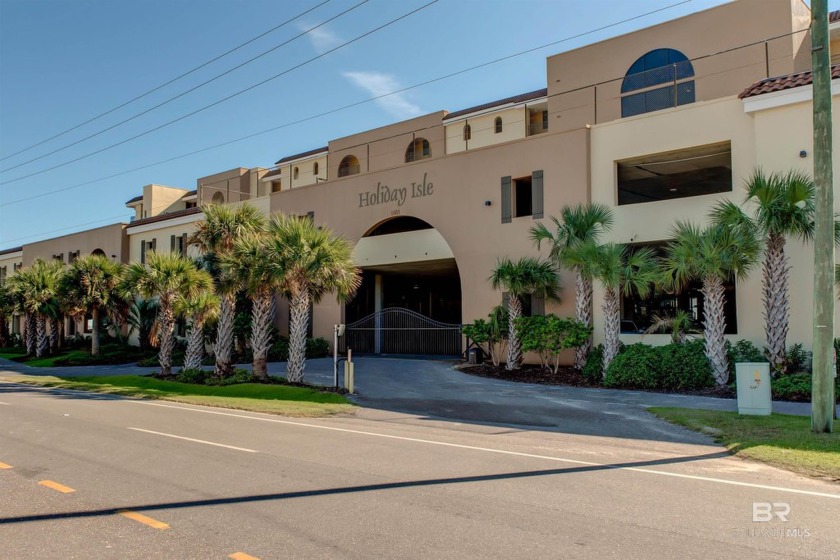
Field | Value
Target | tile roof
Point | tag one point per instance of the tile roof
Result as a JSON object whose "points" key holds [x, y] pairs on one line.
{"points": [[302, 155], [191, 193], [135, 199], [12, 250], [834, 16], [521, 98], [163, 217], [272, 173], [780, 83]]}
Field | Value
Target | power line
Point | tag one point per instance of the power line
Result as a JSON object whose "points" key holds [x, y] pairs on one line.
{"points": [[163, 85], [188, 91], [227, 98], [338, 109]]}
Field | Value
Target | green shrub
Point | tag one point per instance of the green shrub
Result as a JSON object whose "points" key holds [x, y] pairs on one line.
{"points": [[548, 335], [317, 347], [797, 359], [742, 351], [684, 366], [197, 376], [594, 362], [237, 377], [635, 368]]}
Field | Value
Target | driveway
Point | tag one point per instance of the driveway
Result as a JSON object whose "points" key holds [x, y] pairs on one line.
{"points": [[433, 389]]}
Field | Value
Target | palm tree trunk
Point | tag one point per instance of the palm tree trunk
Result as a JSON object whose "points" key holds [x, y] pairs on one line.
{"points": [[612, 327], [167, 337], [61, 333], [53, 335], [31, 337], [514, 353], [42, 344], [583, 312], [224, 337], [4, 331], [195, 347], [299, 319], [714, 325], [776, 303], [261, 331], [94, 334]]}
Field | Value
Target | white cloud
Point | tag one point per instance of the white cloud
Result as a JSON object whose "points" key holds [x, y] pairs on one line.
{"points": [[378, 84], [322, 39]]}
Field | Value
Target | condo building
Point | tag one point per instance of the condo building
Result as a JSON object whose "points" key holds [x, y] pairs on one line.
{"points": [[659, 125]]}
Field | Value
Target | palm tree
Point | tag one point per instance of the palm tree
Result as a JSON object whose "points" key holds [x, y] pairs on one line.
{"points": [[7, 307], [200, 309], [307, 261], [711, 255], [92, 285], [783, 206], [577, 225], [680, 324], [142, 317], [621, 271], [216, 235], [249, 260], [527, 276], [169, 277], [37, 286]]}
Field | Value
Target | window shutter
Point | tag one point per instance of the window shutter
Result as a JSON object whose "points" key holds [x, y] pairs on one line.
{"points": [[172, 243], [142, 252], [154, 244], [184, 242], [311, 216], [506, 206], [537, 306], [505, 300], [537, 194]]}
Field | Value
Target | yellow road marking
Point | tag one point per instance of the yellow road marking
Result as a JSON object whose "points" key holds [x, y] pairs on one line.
{"points": [[5, 466], [56, 486], [242, 556], [154, 523]]}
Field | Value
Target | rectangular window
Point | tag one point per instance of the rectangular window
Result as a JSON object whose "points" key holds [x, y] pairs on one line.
{"points": [[638, 314], [532, 306], [678, 174], [523, 197]]}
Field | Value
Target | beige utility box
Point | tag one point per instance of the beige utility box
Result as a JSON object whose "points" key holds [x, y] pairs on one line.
{"points": [[754, 396]]}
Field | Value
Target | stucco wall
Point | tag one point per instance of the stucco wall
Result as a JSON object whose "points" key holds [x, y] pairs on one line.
{"points": [[110, 239], [483, 130]]}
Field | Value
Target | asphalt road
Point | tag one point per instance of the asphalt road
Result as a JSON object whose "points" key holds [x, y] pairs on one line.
{"points": [[163, 480]]}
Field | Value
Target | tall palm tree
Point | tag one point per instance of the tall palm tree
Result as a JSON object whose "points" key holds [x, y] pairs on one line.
{"points": [[92, 285], [216, 235], [577, 225], [621, 271], [37, 286], [783, 207], [169, 277], [7, 307], [250, 261], [200, 309], [711, 255], [307, 261], [527, 276]]}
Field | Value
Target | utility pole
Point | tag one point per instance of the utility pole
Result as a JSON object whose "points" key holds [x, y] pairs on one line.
{"points": [[822, 392]]}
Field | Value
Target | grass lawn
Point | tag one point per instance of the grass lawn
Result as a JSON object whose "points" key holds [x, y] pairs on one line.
{"points": [[110, 354], [12, 355], [780, 440], [274, 399]]}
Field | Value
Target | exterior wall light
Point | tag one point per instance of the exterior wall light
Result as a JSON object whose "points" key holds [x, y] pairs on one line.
{"points": [[803, 153], [487, 203]]}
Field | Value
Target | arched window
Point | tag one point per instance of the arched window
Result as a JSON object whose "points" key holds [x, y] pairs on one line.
{"points": [[348, 166], [296, 173], [498, 125], [657, 80], [218, 198], [315, 168], [98, 252], [418, 149], [467, 132]]}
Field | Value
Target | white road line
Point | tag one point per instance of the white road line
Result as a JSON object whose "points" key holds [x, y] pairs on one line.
{"points": [[499, 451], [194, 440], [7, 404]]}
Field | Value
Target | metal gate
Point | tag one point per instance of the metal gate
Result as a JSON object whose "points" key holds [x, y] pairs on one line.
{"points": [[401, 331]]}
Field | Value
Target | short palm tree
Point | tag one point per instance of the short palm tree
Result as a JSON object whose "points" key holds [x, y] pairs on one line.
{"points": [[200, 309], [577, 224], [216, 234], [680, 324], [169, 277], [526, 276], [783, 207], [37, 287], [307, 261], [7, 308], [92, 285], [250, 262], [711, 255], [621, 271], [142, 317]]}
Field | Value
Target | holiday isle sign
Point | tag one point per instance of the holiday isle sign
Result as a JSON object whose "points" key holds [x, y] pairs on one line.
{"points": [[383, 194]]}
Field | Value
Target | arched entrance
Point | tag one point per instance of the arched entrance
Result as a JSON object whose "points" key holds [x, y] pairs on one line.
{"points": [[410, 298]]}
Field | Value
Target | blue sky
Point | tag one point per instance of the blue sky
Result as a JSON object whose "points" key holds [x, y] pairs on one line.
{"points": [[63, 62]]}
